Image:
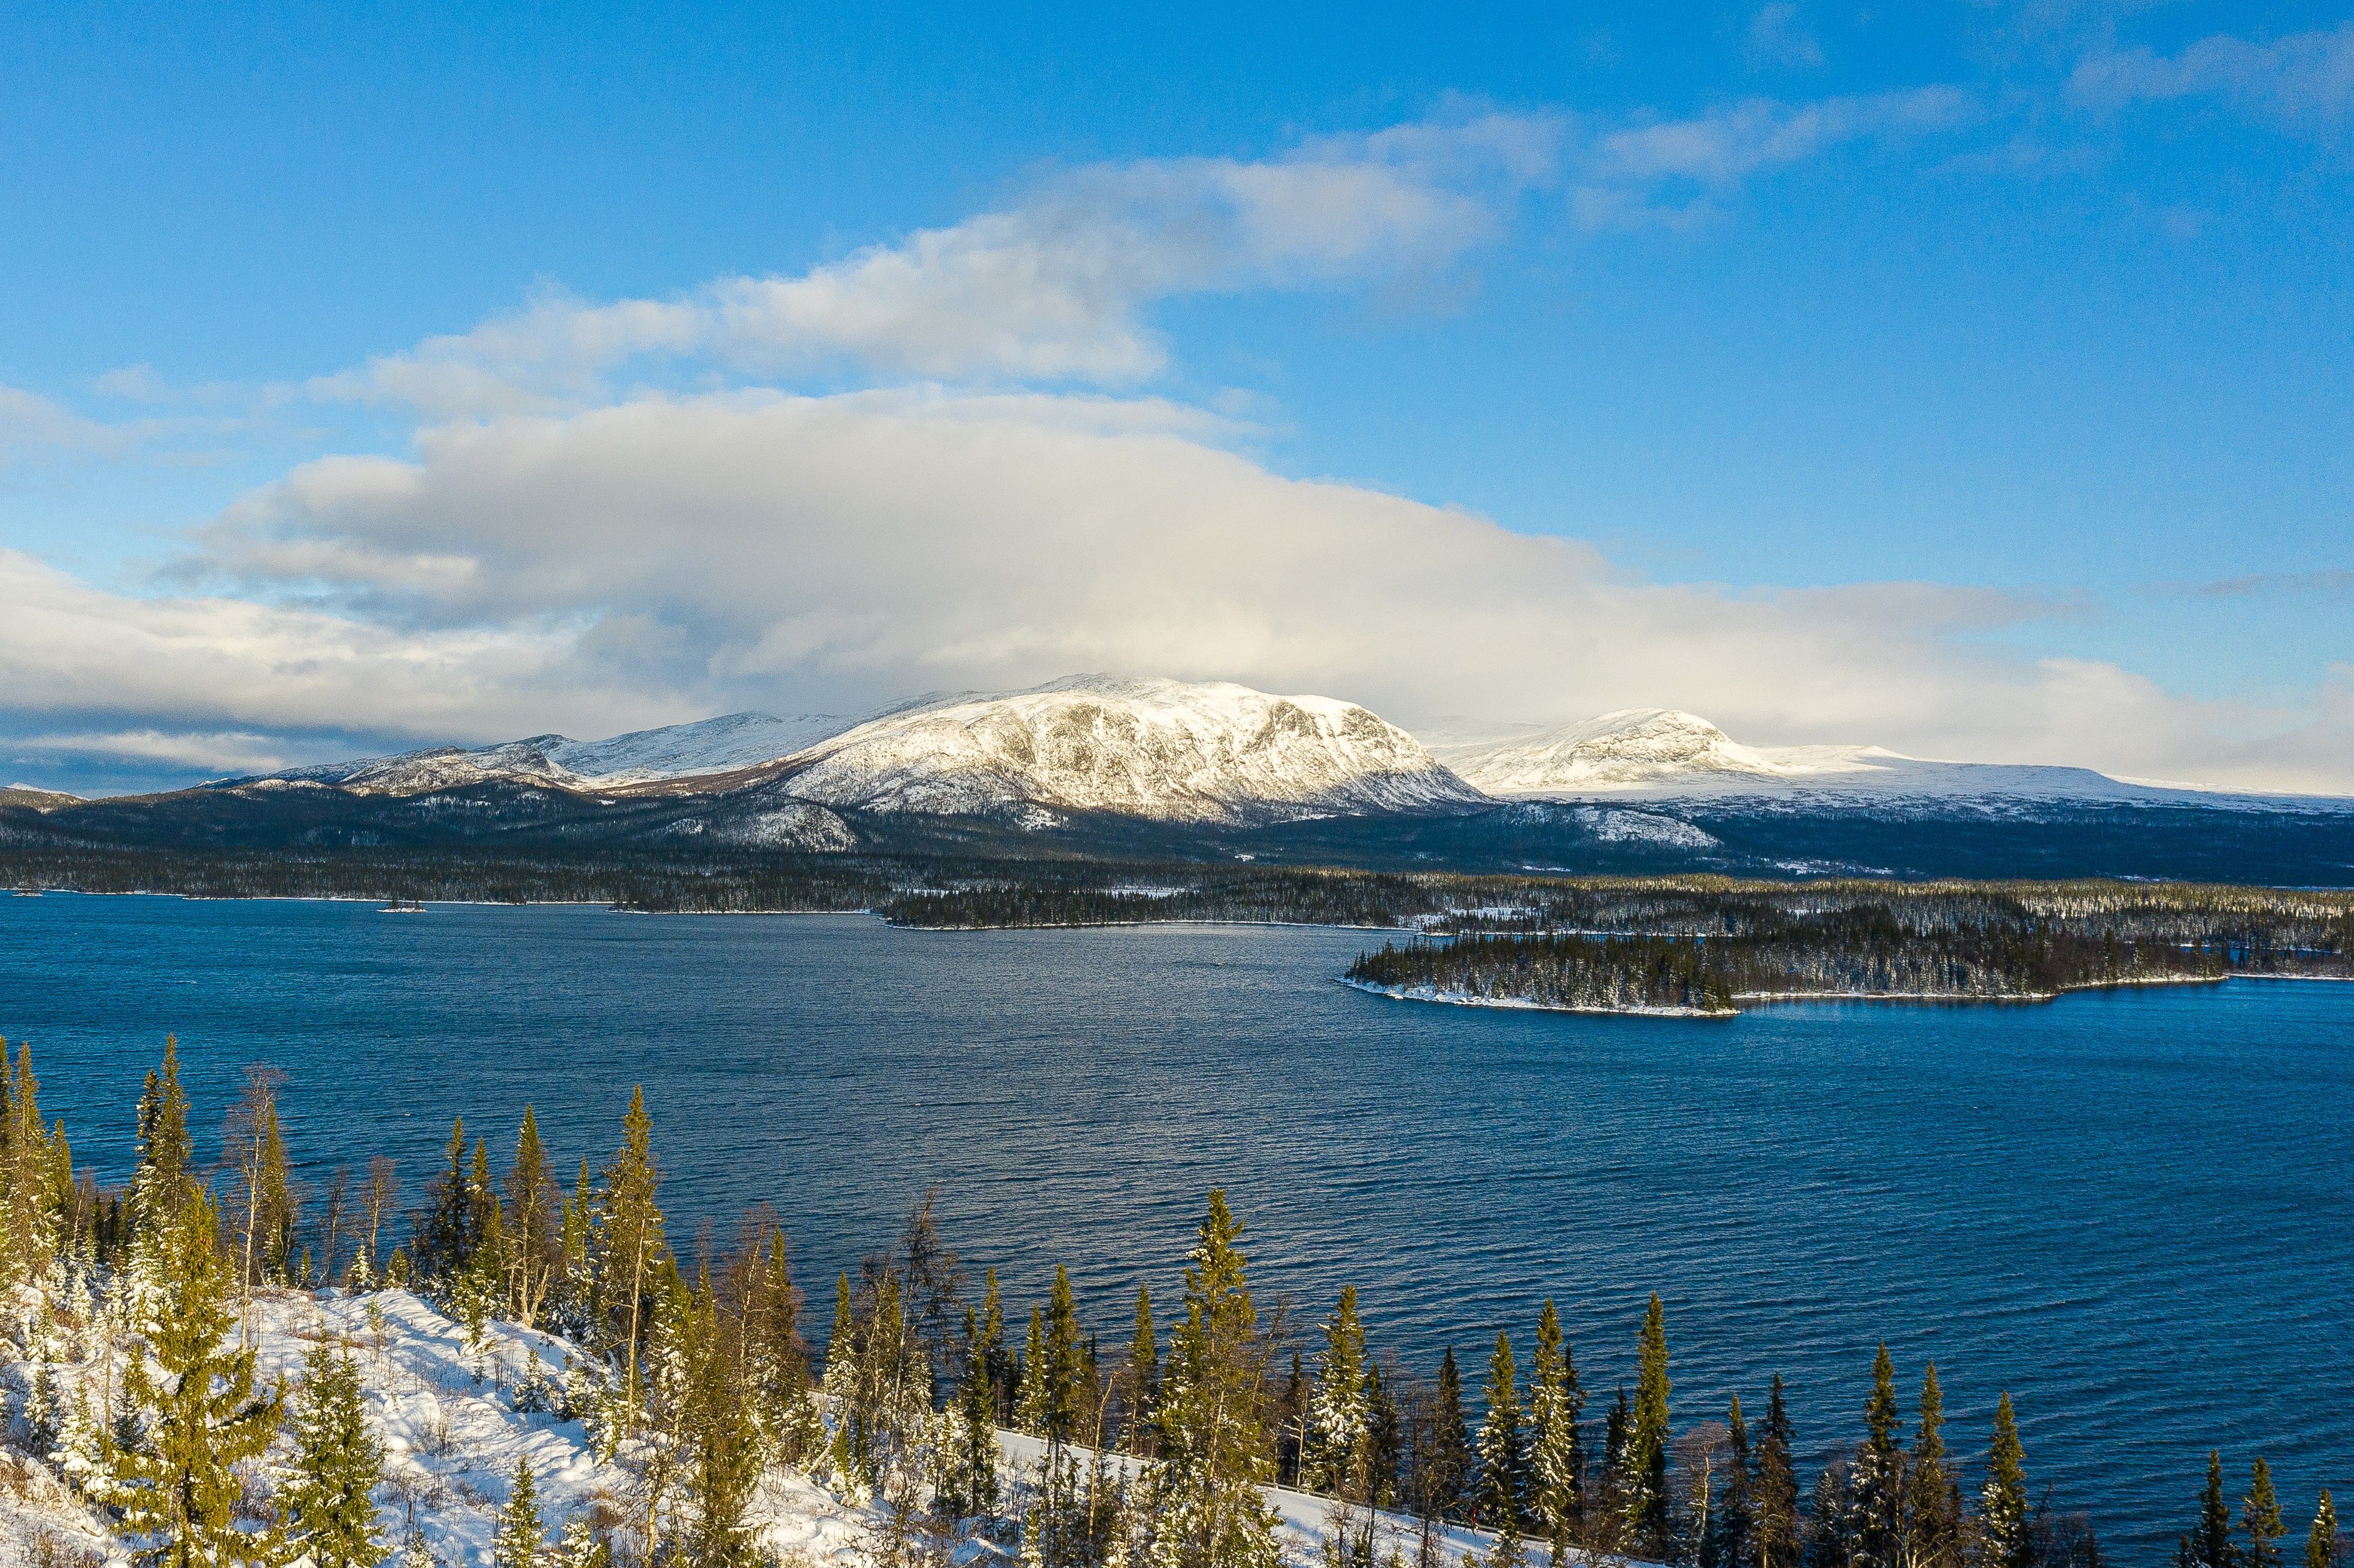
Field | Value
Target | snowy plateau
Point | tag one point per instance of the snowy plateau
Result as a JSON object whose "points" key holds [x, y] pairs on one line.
{"points": [[454, 1416]]}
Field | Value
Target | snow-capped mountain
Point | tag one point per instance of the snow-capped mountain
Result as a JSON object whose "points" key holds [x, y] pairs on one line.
{"points": [[1160, 750], [1169, 750], [707, 747], [1664, 752], [1629, 748]]}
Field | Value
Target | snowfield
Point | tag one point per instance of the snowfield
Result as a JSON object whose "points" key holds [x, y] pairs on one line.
{"points": [[454, 1419]]}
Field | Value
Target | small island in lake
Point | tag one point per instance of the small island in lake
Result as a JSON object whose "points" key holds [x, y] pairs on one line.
{"points": [[1704, 953]]}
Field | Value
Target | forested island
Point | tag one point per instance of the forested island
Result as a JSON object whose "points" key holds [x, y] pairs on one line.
{"points": [[1707, 952], [218, 1363]]}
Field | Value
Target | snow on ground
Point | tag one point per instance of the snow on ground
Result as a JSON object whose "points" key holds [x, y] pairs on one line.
{"points": [[1305, 1517], [447, 1417]]}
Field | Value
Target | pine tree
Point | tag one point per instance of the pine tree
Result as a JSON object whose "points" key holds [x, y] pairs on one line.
{"points": [[1503, 1458], [2211, 1542], [1646, 1440], [1333, 1459], [519, 1540], [1777, 1488], [1140, 1378], [338, 1464], [2002, 1506], [1878, 1475], [1933, 1502], [177, 1486], [2259, 1517], [2321, 1544], [630, 1239], [1557, 1461], [1210, 1511]]}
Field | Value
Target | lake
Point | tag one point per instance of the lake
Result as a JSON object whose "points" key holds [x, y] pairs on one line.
{"points": [[2130, 1209]]}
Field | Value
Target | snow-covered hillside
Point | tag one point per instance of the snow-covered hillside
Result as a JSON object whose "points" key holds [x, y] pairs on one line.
{"points": [[454, 1417], [1157, 748]]}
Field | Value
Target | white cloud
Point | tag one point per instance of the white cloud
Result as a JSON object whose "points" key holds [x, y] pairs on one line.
{"points": [[2304, 78], [29, 421], [1049, 289], [202, 665], [793, 552], [221, 754]]}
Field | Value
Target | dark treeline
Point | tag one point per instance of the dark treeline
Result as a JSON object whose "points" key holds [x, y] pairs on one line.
{"points": [[1707, 952], [2012, 924], [693, 1373]]}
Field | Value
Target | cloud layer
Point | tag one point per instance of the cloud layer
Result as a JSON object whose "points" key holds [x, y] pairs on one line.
{"points": [[613, 517]]}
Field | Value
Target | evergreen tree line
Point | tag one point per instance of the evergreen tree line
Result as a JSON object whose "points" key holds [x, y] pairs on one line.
{"points": [[695, 1377]]}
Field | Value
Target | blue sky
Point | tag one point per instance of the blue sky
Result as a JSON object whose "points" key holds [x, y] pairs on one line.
{"points": [[1971, 379]]}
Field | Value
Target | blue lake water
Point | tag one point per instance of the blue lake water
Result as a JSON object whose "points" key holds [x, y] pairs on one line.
{"points": [[2131, 1210]]}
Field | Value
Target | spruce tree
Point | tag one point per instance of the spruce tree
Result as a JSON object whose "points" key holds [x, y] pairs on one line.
{"points": [[329, 1509], [445, 1232], [1332, 1459], [160, 1182], [1646, 1440], [533, 1214], [1932, 1511], [519, 1540], [1557, 1462], [2211, 1542], [992, 1345], [1068, 1377], [1878, 1477], [721, 1440], [1384, 1438], [1736, 1514], [1032, 1406], [1140, 1378], [2321, 1543], [2002, 1506], [977, 1408], [2259, 1517], [1451, 1467], [1211, 1513], [29, 1194], [1776, 1528], [839, 1387], [177, 1486], [1503, 1458], [630, 1239]]}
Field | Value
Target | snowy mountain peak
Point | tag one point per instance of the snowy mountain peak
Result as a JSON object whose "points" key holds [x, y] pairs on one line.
{"points": [[1629, 747], [721, 744], [1154, 747]]}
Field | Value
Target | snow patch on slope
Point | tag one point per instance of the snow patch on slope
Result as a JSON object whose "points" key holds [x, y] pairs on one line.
{"points": [[1157, 748]]}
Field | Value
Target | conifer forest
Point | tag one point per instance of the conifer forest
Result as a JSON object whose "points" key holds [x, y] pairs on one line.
{"points": [[196, 1374]]}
